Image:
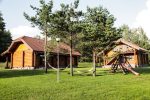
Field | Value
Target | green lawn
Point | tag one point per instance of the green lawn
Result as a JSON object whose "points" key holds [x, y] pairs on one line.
{"points": [[36, 85], [2, 65]]}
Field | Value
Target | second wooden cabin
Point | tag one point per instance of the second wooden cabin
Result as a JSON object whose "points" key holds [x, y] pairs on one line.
{"points": [[135, 55]]}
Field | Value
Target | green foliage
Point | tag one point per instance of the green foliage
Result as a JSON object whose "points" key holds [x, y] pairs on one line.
{"points": [[66, 21], [98, 31], [2, 24], [35, 85], [5, 37], [136, 35], [43, 15]]}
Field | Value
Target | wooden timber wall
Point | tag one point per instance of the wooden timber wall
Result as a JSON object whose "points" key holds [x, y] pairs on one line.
{"points": [[64, 61], [22, 56], [134, 57]]}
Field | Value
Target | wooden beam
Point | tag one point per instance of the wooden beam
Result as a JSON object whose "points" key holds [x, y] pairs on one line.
{"points": [[6, 62], [34, 53], [135, 57], [147, 58], [142, 60], [11, 60], [33, 59], [23, 58]]}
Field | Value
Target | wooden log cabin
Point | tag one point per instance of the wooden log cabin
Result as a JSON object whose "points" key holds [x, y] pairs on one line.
{"points": [[135, 55], [28, 52]]}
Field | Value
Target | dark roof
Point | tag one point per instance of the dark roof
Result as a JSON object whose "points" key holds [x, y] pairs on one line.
{"points": [[38, 45]]}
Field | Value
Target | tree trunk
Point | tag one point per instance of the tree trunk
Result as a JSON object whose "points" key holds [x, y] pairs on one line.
{"points": [[45, 52], [58, 70], [71, 67], [94, 65]]}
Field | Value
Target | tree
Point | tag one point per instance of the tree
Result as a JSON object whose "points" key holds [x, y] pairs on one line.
{"points": [[66, 24], [42, 18], [136, 35], [5, 37], [126, 32], [140, 38], [98, 32]]}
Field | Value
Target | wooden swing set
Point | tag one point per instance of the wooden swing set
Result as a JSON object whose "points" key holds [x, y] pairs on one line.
{"points": [[122, 62]]}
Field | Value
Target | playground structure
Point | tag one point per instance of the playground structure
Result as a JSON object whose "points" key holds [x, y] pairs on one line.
{"points": [[122, 62]]}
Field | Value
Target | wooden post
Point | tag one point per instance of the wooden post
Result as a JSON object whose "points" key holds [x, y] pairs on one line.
{"points": [[141, 59], [11, 60], [6, 62], [34, 59], [94, 66], [144, 58], [135, 58], [147, 58], [77, 61]]}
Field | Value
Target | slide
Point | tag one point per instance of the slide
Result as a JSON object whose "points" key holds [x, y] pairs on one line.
{"points": [[129, 69]]}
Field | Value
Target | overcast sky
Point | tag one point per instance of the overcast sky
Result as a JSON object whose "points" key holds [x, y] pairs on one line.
{"points": [[134, 13]]}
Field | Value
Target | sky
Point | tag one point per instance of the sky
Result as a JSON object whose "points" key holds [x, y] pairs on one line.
{"points": [[135, 13]]}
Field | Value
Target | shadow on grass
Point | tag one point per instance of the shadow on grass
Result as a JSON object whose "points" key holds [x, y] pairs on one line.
{"points": [[143, 70], [20, 73], [104, 72], [83, 72]]}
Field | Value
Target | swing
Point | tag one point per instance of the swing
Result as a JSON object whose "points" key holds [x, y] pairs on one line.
{"points": [[84, 71], [56, 68]]}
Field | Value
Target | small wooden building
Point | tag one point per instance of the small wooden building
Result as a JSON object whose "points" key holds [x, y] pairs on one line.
{"points": [[28, 52], [135, 55]]}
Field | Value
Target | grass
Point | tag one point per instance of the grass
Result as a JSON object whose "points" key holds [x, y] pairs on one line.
{"points": [[2, 65], [36, 85]]}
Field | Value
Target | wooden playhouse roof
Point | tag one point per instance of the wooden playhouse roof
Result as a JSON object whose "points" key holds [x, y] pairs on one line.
{"points": [[123, 41], [38, 45], [130, 44]]}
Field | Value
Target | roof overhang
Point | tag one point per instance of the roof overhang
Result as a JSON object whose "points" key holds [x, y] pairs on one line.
{"points": [[13, 45]]}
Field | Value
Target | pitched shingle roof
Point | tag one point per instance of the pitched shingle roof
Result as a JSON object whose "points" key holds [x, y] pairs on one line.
{"points": [[124, 42], [38, 45], [130, 44]]}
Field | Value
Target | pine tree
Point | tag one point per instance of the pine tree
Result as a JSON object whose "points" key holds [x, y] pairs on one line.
{"points": [[66, 24], [43, 20], [99, 31], [5, 37]]}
